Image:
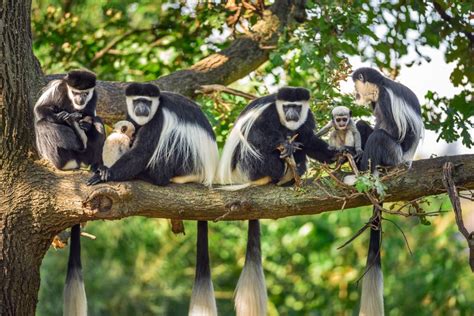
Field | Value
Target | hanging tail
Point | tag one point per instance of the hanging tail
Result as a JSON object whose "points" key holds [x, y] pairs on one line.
{"points": [[75, 301], [203, 302], [251, 292], [372, 283]]}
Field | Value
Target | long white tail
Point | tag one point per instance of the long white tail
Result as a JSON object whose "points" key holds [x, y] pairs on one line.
{"points": [[234, 187], [251, 292], [371, 303], [75, 301], [203, 302]]}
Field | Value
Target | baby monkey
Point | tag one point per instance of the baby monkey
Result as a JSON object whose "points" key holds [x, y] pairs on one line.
{"points": [[118, 142], [345, 135]]}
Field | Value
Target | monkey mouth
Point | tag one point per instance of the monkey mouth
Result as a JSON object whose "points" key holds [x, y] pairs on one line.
{"points": [[142, 110]]}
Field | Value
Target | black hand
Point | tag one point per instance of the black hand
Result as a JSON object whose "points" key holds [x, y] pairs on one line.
{"points": [[63, 116], [95, 179], [75, 116], [359, 153], [101, 175], [289, 148], [83, 124]]}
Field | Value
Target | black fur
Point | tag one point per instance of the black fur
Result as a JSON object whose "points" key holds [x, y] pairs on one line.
{"points": [[293, 94], [133, 164], [57, 139], [143, 89], [267, 133], [382, 146], [80, 80]]}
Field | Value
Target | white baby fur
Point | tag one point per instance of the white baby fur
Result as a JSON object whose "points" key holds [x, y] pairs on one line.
{"points": [[340, 111], [405, 117], [142, 120], [192, 141], [75, 300], [281, 114], [117, 143], [70, 90], [239, 135]]}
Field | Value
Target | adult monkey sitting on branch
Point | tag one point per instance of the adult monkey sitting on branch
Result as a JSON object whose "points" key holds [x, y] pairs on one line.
{"points": [[393, 140]]}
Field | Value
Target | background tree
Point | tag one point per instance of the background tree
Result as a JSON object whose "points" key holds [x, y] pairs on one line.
{"points": [[139, 259]]}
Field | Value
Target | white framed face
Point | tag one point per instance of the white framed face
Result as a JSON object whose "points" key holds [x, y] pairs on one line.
{"points": [[365, 92], [142, 109], [79, 98], [292, 114]]}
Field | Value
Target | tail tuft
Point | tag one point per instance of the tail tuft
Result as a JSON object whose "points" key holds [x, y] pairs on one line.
{"points": [[372, 293], [75, 301], [234, 187]]}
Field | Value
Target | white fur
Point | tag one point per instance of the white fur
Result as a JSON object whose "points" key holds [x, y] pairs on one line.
{"points": [[203, 301], [405, 117], [350, 179], [49, 93], [340, 111], [142, 120], [292, 125], [115, 146], [251, 292], [70, 90], [75, 301], [70, 165], [372, 293], [239, 135], [192, 141]]}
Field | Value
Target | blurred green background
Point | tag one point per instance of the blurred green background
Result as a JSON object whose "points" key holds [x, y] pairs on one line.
{"points": [[138, 267]]}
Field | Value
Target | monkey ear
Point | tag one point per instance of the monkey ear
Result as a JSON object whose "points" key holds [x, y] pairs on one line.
{"points": [[123, 129], [361, 77]]}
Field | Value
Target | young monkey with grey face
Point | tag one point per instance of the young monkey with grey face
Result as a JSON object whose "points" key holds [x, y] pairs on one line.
{"points": [[118, 142], [345, 134]]}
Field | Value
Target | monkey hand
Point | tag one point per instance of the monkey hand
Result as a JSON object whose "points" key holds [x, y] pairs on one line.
{"points": [[288, 148], [63, 116], [85, 125], [75, 116], [101, 175], [359, 153]]}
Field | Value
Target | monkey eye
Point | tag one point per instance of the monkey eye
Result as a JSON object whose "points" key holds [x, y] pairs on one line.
{"points": [[343, 119], [123, 129]]}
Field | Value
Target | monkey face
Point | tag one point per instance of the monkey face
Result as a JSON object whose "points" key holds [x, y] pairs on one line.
{"points": [[125, 127], [142, 108], [341, 122], [80, 98], [365, 92], [292, 114]]}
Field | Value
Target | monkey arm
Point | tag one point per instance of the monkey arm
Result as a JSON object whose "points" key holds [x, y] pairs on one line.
{"points": [[356, 134], [324, 130], [316, 148], [264, 138]]}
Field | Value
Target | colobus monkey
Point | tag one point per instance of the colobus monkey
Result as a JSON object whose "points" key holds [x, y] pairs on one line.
{"points": [[174, 142], [394, 139], [118, 142], [68, 132], [345, 134], [251, 157]]}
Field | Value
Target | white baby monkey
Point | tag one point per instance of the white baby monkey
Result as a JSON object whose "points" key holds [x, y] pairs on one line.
{"points": [[118, 142]]}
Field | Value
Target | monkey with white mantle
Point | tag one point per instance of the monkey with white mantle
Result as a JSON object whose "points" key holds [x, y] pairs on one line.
{"points": [[345, 134]]}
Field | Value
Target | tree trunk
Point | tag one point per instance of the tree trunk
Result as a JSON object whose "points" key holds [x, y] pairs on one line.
{"points": [[22, 241]]}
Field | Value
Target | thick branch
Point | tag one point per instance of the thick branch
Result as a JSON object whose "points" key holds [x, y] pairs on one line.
{"points": [[242, 56], [73, 201]]}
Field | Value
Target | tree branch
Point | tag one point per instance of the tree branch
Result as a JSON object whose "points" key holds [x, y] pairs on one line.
{"points": [[75, 202]]}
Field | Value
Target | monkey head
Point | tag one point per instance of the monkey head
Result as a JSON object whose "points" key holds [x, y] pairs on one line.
{"points": [[142, 100], [124, 127], [80, 87], [367, 82], [292, 106], [341, 117]]}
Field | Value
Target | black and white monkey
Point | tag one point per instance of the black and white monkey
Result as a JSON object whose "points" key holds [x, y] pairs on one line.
{"points": [[250, 157], [173, 142], [393, 140], [118, 142], [345, 134], [68, 132]]}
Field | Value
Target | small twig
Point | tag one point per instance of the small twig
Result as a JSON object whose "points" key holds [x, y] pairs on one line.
{"points": [[360, 231], [403, 234], [87, 235], [210, 88], [454, 197]]}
